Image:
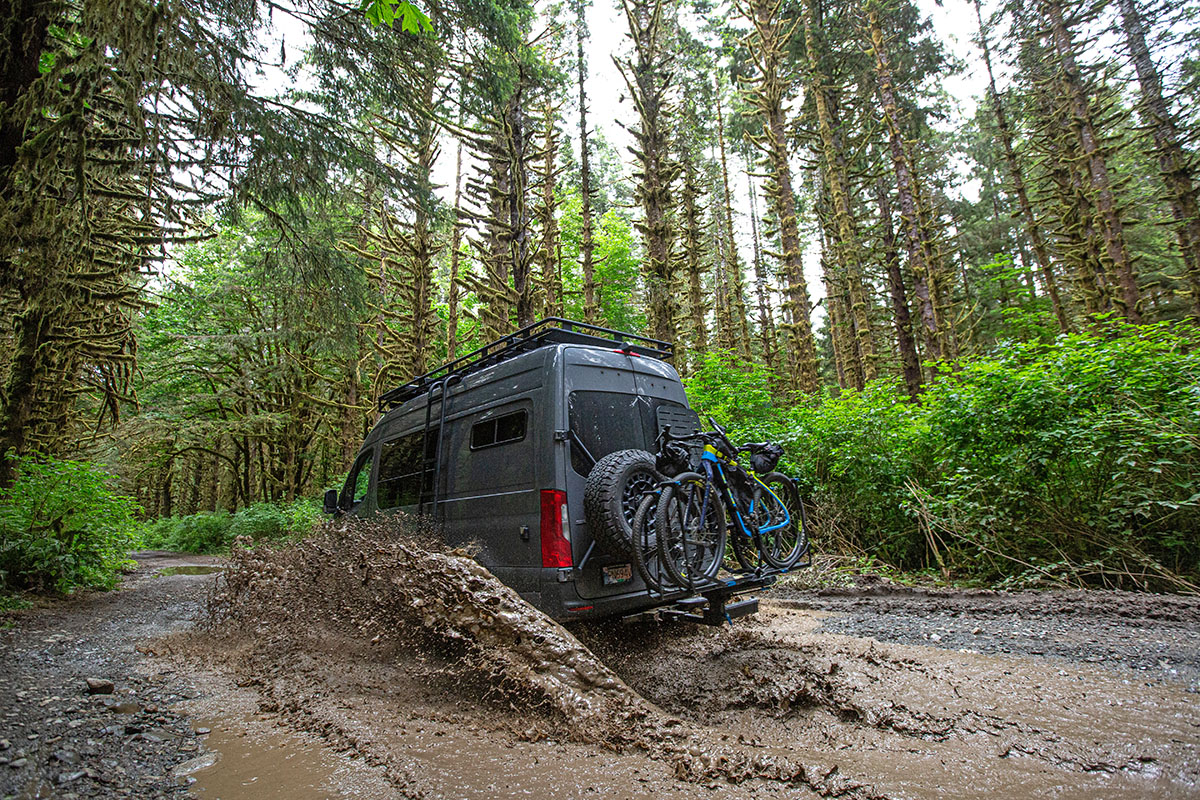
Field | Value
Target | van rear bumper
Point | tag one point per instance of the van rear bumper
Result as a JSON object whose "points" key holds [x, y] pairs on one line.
{"points": [[560, 601]]}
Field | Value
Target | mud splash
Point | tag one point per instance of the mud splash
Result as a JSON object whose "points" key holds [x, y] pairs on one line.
{"points": [[418, 662], [370, 588]]}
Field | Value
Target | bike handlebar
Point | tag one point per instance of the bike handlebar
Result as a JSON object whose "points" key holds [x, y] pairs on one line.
{"points": [[717, 436]]}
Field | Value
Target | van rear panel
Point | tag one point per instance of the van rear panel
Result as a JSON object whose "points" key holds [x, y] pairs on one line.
{"points": [[613, 402]]}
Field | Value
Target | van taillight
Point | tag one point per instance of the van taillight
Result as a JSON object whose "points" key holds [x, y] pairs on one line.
{"points": [[556, 546]]}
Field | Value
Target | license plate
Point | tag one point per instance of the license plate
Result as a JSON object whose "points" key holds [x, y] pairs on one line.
{"points": [[618, 573]]}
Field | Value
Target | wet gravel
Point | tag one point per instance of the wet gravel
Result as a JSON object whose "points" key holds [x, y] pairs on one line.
{"points": [[119, 736], [776, 680], [1153, 635]]}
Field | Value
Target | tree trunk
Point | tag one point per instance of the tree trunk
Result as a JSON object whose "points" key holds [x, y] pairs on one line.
{"points": [[648, 77], [916, 237], [1097, 173], [31, 331], [902, 318], [693, 251], [772, 35], [23, 31], [591, 307], [766, 318], [846, 248], [1173, 161], [739, 334], [548, 249], [455, 258], [1017, 176]]}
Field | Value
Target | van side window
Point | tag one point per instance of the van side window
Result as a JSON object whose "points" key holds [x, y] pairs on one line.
{"points": [[404, 475], [357, 481], [501, 430]]}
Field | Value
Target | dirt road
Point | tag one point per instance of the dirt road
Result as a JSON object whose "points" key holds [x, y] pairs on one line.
{"points": [[369, 687]]}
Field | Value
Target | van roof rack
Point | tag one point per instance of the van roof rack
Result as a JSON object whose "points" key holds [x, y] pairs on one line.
{"points": [[548, 331]]}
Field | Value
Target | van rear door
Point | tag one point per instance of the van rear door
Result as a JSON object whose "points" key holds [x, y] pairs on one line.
{"points": [[611, 406]]}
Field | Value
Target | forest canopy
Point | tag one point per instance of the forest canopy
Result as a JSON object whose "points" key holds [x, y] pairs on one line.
{"points": [[217, 249]]}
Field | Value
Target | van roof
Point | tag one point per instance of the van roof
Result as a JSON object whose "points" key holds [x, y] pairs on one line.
{"points": [[545, 332]]}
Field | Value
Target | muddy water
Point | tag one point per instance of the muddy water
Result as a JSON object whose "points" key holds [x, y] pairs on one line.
{"points": [[923, 722], [253, 763], [192, 569], [419, 662]]}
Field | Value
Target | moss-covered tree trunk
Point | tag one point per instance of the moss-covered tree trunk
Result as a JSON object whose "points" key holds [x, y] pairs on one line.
{"points": [[918, 239], [847, 251], [1095, 156], [1177, 169], [649, 75], [1017, 177], [768, 41]]}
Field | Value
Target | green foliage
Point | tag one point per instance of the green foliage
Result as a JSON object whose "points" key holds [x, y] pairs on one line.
{"points": [[386, 12], [736, 394], [1075, 461], [63, 527], [215, 531]]}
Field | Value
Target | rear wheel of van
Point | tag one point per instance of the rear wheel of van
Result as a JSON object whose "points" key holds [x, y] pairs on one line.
{"points": [[614, 490]]}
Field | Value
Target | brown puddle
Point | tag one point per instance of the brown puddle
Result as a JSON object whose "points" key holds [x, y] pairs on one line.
{"points": [[258, 763], [192, 569]]}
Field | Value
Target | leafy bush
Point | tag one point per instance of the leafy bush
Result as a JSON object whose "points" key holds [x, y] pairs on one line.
{"points": [[1076, 460], [215, 531], [63, 527]]}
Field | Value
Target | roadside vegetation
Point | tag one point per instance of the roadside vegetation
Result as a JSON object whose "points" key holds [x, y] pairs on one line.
{"points": [[215, 531], [62, 526], [1074, 461], [974, 332]]}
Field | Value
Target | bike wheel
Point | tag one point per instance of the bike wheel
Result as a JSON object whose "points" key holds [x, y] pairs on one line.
{"points": [[783, 546], [643, 549], [690, 529]]}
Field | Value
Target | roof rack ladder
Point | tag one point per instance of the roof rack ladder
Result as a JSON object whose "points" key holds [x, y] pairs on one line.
{"points": [[425, 460], [437, 457]]}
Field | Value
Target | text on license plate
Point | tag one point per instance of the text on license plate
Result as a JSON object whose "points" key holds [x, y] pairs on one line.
{"points": [[618, 573]]}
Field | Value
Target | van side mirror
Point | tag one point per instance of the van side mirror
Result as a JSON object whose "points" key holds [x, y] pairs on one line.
{"points": [[331, 504]]}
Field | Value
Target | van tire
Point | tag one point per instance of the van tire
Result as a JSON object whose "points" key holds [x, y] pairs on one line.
{"points": [[613, 493]]}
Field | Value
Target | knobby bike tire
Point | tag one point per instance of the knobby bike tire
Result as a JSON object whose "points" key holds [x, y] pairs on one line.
{"points": [[783, 547], [747, 550], [643, 547], [690, 550]]}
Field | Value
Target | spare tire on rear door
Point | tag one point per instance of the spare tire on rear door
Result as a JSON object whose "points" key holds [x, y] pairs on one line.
{"points": [[612, 494]]}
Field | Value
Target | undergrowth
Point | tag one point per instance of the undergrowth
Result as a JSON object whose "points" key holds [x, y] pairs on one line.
{"points": [[215, 531], [1074, 462], [63, 527]]}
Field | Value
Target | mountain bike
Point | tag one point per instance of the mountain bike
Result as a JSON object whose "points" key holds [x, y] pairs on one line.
{"points": [[767, 526]]}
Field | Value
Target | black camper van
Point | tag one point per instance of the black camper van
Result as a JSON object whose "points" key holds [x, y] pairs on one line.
{"points": [[496, 447]]}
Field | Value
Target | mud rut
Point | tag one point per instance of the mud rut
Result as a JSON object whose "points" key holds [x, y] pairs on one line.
{"points": [[426, 667]]}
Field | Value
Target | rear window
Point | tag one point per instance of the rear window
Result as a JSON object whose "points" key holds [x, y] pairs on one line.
{"points": [[606, 422]]}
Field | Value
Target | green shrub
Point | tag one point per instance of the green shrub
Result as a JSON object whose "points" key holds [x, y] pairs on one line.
{"points": [[258, 522], [214, 531], [63, 527], [1076, 460]]}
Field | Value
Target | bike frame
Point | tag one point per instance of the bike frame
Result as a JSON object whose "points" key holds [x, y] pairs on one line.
{"points": [[714, 464]]}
